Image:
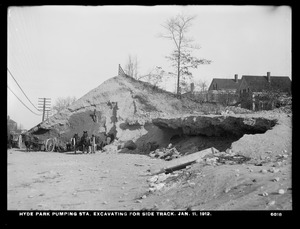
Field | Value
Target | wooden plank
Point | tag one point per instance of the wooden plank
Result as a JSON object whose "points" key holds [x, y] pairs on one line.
{"points": [[184, 161], [178, 167], [191, 157]]}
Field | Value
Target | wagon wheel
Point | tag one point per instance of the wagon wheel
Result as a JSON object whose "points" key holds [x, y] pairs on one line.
{"points": [[50, 144]]}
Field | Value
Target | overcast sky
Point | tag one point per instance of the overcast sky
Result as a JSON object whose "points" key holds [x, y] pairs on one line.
{"points": [[60, 51]]}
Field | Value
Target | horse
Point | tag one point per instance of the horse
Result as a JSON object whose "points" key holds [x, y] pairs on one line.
{"points": [[85, 142], [30, 142], [69, 145], [75, 142], [27, 140]]}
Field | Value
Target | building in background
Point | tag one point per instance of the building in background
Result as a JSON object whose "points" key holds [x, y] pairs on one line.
{"points": [[224, 91], [11, 124], [263, 92]]}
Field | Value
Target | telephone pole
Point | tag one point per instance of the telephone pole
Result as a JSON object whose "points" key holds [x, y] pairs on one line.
{"points": [[44, 104], [48, 114]]}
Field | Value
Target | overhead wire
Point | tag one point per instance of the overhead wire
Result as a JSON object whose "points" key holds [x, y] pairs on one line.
{"points": [[20, 39], [21, 89], [18, 25], [23, 103]]}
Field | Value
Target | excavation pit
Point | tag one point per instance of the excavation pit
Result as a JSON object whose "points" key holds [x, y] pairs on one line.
{"points": [[196, 133]]}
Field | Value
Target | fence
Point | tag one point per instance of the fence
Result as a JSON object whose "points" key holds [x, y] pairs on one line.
{"points": [[225, 98]]}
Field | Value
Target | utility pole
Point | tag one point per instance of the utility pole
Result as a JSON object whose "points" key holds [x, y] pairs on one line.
{"points": [[44, 104], [48, 113]]}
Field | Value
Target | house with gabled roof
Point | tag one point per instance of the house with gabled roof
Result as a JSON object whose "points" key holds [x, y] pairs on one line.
{"points": [[225, 84], [11, 124], [251, 83], [253, 88], [224, 91]]}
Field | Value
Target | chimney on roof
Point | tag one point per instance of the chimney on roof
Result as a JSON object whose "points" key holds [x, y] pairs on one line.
{"points": [[269, 77], [192, 87], [236, 78]]}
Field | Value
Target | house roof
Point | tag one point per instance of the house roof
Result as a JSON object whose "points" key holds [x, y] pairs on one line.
{"points": [[225, 84], [260, 83], [11, 122]]}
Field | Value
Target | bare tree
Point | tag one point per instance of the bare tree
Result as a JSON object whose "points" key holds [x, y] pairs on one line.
{"points": [[154, 76], [62, 103], [176, 29], [131, 68], [201, 85]]}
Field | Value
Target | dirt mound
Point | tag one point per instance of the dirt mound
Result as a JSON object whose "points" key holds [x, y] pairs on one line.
{"points": [[152, 118], [122, 106]]}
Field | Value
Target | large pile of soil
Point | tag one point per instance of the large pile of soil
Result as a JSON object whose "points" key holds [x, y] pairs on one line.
{"points": [[151, 118], [123, 106]]}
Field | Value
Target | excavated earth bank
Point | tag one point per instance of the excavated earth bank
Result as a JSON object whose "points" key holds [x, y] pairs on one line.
{"points": [[217, 125], [195, 133], [151, 118], [124, 107]]}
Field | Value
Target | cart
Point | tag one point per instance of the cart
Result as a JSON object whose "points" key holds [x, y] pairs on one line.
{"points": [[54, 144], [37, 144], [49, 145]]}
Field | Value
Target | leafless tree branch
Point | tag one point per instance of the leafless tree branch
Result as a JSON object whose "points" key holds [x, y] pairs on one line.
{"points": [[176, 29]]}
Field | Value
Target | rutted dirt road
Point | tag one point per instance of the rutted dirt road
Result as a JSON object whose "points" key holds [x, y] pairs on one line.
{"points": [[65, 181], [106, 181]]}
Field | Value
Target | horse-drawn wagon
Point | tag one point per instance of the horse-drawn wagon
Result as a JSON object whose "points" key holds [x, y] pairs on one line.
{"points": [[34, 143], [84, 143]]}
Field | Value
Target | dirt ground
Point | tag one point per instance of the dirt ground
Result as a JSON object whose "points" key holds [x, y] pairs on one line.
{"points": [[68, 181], [114, 181]]}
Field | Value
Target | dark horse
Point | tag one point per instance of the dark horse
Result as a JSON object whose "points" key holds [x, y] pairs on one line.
{"points": [[85, 142], [27, 141], [31, 142], [75, 142]]}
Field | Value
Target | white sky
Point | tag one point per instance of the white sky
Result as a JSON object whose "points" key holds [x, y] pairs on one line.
{"points": [[60, 51]]}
